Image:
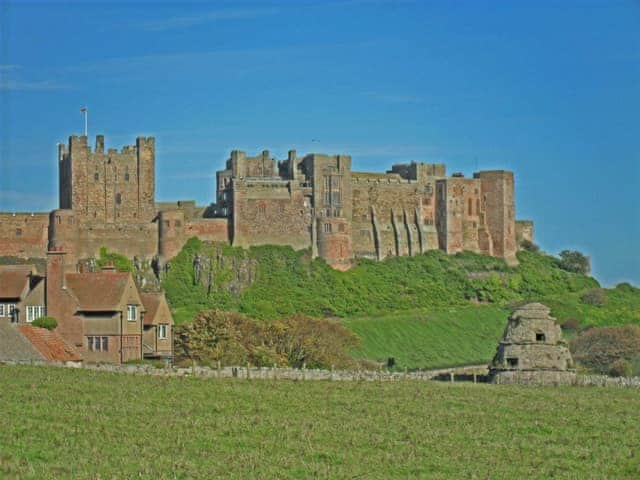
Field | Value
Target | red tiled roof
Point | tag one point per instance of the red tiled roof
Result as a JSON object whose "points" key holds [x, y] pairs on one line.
{"points": [[98, 292], [151, 302], [50, 345], [14, 279]]}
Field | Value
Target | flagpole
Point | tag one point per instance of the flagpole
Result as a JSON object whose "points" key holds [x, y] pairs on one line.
{"points": [[85, 112]]}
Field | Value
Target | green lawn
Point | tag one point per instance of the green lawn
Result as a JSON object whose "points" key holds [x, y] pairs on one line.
{"points": [[60, 423], [458, 336]]}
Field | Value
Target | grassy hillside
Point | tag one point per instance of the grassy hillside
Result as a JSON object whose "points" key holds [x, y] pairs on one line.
{"points": [[271, 282], [61, 423], [461, 336]]}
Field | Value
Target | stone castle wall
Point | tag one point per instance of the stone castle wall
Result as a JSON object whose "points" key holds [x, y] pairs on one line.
{"points": [[107, 198], [23, 235]]}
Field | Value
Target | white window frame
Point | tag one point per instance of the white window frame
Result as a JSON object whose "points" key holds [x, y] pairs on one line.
{"points": [[132, 313], [2, 310], [11, 311], [163, 331], [34, 312]]}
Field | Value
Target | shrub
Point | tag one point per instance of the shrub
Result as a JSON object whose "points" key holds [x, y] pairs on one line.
{"points": [[574, 262], [122, 263], [595, 296], [234, 339], [620, 368], [571, 324], [49, 323], [598, 347], [529, 246]]}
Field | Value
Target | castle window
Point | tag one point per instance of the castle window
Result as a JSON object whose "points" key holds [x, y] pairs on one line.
{"points": [[365, 218], [327, 228], [126, 174], [118, 199], [364, 233], [96, 177], [58, 219], [470, 207], [262, 208], [477, 206], [281, 208], [18, 232], [167, 224], [70, 221], [540, 337]]}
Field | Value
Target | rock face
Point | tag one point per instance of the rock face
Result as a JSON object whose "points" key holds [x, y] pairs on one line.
{"points": [[532, 350]]}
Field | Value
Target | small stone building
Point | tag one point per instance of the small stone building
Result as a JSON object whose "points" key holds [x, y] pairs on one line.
{"points": [[532, 350]]}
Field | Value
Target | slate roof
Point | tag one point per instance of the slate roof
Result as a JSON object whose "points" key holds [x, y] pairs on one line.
{"points": [[14, 279], [50, 345], [14, 346], [98, 292]]}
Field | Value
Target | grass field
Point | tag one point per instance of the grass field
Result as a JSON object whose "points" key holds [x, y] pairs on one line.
{"points": [[458, 336], [59, 423]]}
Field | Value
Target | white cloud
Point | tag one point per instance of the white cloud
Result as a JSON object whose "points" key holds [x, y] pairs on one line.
{"points": [[185, 21]]}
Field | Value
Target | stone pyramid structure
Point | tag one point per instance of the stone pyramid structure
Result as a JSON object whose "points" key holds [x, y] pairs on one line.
{"points": [[532, 350]]}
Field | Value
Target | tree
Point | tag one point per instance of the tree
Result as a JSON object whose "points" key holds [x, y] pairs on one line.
{"points": [[575, 262]]}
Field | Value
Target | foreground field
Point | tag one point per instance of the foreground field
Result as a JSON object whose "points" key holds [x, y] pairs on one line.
{"points": [[59, 423]]}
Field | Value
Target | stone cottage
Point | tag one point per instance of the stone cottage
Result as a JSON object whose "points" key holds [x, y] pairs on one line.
{"points": [[532, 350]]}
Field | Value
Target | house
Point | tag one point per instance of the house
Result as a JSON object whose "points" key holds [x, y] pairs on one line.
{"points": [[157, 335], [100, 313], [22, 293]]}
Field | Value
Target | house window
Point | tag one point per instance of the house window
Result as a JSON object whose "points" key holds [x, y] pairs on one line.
{"points": [[34, 312], [2, 314], [105, 344], [132, 313], [512, 362], [540, 337], [327, 228], [162, 331], [90, 343]]}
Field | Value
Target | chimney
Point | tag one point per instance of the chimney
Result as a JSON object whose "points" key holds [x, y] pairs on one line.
{"points": [[109, 268], [55, 281]]}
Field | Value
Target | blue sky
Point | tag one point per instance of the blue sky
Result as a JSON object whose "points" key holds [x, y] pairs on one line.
{"points": [[550, 90]]}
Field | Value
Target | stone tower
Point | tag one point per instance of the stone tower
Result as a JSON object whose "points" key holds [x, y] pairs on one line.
{"points": [[532, 350]]}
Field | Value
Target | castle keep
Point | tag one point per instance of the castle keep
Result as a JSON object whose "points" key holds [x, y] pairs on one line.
{"points": [[316, 201]]}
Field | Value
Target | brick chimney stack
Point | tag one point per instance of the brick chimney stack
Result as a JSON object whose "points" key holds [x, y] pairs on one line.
{"points": [[55, 281]]}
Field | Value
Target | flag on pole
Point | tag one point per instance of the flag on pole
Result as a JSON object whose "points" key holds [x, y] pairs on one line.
{"points": [[83, 109]]}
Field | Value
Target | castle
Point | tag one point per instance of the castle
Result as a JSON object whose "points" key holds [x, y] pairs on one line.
{"points": [[107, 198]]}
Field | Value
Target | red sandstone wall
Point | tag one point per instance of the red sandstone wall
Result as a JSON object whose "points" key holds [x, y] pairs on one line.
{"points": [[24, 235]]}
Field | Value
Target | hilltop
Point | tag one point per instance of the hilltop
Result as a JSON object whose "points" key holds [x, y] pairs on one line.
{"points": [[427, 310]]}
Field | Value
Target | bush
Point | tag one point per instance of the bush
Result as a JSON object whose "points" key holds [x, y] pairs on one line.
{"points": [[529, 246], [234, 339], [49, 323], [620, 368], [122, 263], [574, 262], [595, 296], [571, 325], [599, 347]]}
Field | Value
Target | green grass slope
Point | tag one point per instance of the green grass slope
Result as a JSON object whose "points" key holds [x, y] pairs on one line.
{"points": [[75, 424], [461, 336]]}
